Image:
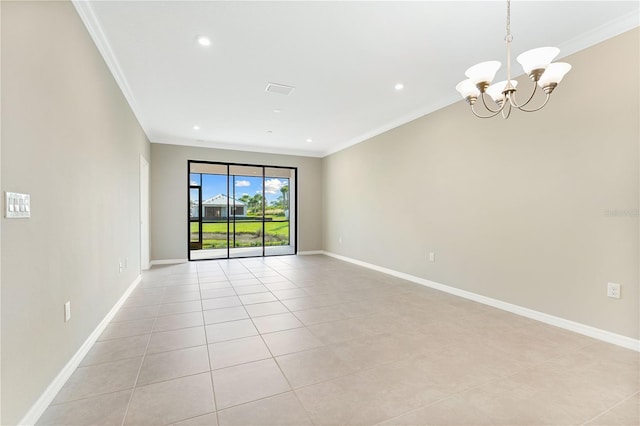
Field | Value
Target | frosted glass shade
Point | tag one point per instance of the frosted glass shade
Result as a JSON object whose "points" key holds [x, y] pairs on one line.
{"points": [[496, 89], [467, 89], [554, 73], [483, 72], [538, 58]]}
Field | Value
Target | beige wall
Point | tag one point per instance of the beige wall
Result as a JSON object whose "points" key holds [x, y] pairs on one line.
{"points": [[70, 140], [514, 210], [169, 194]]}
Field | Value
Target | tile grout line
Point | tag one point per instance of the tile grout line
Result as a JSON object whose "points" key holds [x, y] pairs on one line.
{"points": [[291, 388], [404, 359], [206, 341], [498, 379], [617, 404], [115, 360], [255, 400], [135, 383]]}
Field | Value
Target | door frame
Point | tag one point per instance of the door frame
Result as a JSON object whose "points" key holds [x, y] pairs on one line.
{"points": [[199, 220], [145, 249], [293, 241]]}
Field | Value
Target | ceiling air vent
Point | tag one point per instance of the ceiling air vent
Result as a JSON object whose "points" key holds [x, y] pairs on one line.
{"points": [[281, 89]]}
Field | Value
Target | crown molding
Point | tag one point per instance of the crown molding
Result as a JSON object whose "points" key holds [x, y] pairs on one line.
{"points": [[414, 115], [587, 39], [599, 34], [92, 24], [173, 140], [83, 7]]}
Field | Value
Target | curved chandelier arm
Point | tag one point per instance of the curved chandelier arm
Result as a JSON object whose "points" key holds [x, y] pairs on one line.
{"points": [[512, 97], [482, 95], [494, 113], [506, 112], [536, 109]]}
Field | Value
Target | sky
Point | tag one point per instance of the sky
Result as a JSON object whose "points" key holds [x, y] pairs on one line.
{"points": [[213, 185]]}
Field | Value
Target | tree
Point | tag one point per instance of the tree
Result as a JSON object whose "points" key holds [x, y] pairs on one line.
{"points": [[246, 199], [285, 199], [256, 203]]}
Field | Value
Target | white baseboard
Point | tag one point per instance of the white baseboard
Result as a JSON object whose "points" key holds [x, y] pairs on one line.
{"points": [[54, 387], [168, 261], [311, 252], [587, 330]]}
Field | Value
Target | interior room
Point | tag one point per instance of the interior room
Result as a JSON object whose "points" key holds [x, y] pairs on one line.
{"points": [[260, 213]]}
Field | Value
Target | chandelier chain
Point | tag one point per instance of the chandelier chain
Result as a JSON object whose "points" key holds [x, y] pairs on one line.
{"points": [[508, 37], [508, 17]]}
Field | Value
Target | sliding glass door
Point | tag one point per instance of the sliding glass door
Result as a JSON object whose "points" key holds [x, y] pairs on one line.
{"points": [[247, 220], [195, 230], [279, 232], [208, 199], [238, 210]]}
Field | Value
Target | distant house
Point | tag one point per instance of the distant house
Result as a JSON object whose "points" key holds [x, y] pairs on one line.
{"points": [[216, 207]]}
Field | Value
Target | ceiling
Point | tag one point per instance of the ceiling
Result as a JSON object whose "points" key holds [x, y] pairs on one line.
{"points": [[343, 59]]}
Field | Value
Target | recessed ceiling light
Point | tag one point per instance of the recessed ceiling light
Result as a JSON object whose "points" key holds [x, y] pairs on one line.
{"points": [[269, 131], [196, 127], [309, 140], [204, 41], [399, 86], [277, 111]]}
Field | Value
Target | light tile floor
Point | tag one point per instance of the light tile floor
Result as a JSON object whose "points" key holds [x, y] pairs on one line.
{"points": [[312, 340]]}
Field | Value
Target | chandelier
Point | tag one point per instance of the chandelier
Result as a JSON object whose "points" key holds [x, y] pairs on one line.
{"points": [[537, 65]]}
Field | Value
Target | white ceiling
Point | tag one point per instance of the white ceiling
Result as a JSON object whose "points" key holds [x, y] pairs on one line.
{"points": [[343, 58]]}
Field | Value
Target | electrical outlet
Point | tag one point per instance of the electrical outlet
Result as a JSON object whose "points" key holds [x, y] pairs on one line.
{"points": [[67, 311], [613, 290], [432, 256], [121, 265]]}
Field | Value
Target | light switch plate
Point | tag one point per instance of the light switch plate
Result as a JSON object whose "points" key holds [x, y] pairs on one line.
{"points": [[17, 206]]}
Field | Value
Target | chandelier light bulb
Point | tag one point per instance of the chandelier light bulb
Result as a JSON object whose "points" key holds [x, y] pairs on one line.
{"points": [[484, 72], [554, 74], [536, 59], [467, 89]]}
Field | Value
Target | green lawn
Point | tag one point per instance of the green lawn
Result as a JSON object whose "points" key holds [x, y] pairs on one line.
{"points": [[247, 234]]}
